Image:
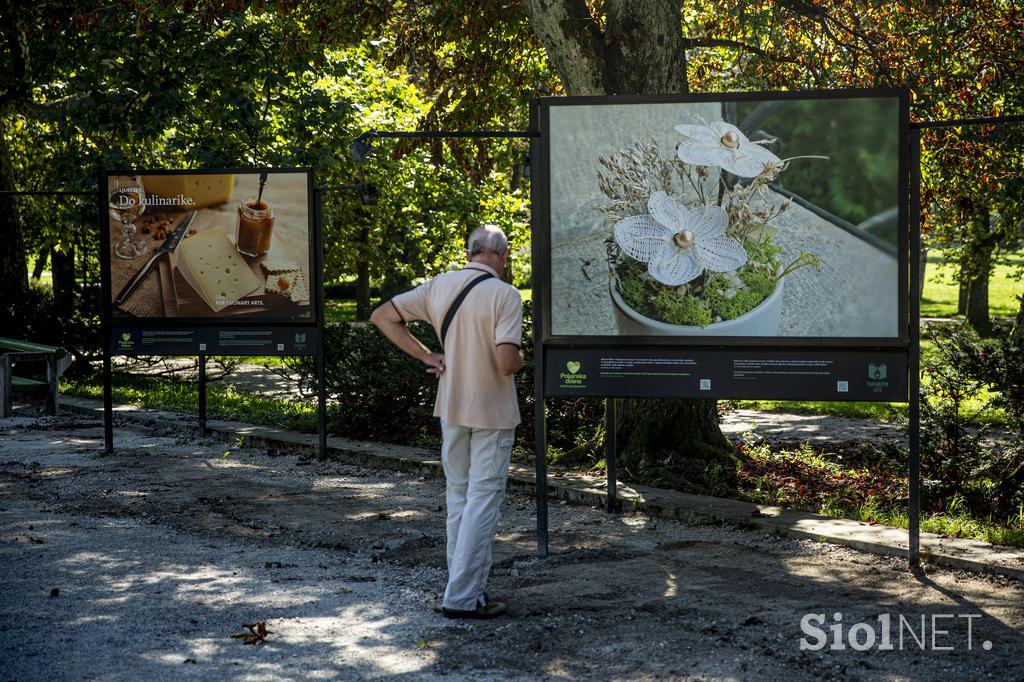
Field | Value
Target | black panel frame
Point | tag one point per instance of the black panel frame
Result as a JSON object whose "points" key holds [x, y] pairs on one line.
{"points": [[541, 225], [315, 250]]}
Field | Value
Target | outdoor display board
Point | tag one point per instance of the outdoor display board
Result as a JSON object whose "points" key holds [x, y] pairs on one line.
{"points": [[210, 262], [750, 245]]}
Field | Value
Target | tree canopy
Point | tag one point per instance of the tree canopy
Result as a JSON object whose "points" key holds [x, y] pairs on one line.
{"points": [[292, 82]]}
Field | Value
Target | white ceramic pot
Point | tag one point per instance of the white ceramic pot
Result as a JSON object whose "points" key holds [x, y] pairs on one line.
{"points": [[760, 321]]}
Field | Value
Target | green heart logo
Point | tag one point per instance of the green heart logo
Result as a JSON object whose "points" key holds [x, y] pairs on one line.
{"points": [[573, 366], [125, 336]]}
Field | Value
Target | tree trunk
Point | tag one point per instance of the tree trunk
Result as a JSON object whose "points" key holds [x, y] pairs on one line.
{"points": [[63, 276], [976, 267], [639, 50], [13, 265], [977, 300], [41, 260], [924, 272], [963, 293], [677, 442]]}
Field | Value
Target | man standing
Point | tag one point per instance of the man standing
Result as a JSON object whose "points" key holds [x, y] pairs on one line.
{"points": [[479, 321]]}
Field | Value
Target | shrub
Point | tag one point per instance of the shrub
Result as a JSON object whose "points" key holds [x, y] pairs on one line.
{"points": [[956, 464], [72, 323], [377, 392]]}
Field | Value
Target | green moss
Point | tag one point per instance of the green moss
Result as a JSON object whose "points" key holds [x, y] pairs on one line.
{"points": [[665, 304], [758, 281], [759, 287], [634, 293], [706, 300], [731, 308], [675, 309], [657, 301]]}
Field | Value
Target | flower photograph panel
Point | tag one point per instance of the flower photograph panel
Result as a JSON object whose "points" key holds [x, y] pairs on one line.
{"points": [[749, 218]]}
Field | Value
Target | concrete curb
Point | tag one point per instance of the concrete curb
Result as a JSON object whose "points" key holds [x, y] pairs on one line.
{"points": [[969, 555]]}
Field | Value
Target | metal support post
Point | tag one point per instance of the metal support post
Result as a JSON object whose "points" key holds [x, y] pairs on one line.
{"points": [[202, 394], [108, 400], [611, 454], [914, 382]]}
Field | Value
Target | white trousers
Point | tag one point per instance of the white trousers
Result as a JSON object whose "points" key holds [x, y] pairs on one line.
{"points": [[476, 468]]}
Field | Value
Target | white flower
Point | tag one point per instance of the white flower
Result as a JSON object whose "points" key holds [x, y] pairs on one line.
{"points": [[724, 145], [677, 243]]}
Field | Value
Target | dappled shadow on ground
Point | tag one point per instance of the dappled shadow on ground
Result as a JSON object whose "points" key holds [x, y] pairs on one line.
{"points": [[164, 550]]}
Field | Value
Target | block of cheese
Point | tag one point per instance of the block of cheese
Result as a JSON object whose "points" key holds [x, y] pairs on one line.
{"points": [[174, 191], [212, 266]]}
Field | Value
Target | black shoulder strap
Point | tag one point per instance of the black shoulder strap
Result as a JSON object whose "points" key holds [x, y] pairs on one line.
{"points": [[454, 308]]}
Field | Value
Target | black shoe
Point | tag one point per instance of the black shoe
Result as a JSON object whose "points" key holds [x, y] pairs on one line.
{"points": [[491, 610]]}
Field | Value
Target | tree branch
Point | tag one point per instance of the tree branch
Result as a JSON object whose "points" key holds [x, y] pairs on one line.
{"points": [[691, 43], [45, 111]]}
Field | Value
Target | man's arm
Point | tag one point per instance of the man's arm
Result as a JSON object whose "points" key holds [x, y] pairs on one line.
{"points": [[510, 358], [387, 319]]}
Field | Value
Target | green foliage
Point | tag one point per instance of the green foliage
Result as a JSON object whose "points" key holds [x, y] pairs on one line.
{"points": [[376, 392], [72, 323], [853, 183], [956, 459], [764, 251], [276, 84], [868, 485], [396, 404]]}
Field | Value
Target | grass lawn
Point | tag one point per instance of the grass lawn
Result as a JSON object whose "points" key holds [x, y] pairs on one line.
{"points": [[222, 402], [343, 310], [941, 292]]}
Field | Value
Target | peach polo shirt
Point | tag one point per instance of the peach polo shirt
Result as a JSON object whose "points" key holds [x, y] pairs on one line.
{"points": [[471, 391]]}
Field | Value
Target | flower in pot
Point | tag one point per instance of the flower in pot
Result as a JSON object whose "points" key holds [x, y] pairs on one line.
{"points": [[701, 259]]}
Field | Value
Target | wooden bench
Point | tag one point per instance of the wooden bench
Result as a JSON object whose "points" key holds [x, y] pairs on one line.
{"points": [[15, 350]]}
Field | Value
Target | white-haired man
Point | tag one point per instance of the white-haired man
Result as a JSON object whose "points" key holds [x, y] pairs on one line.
{"points": [[479, 321]]}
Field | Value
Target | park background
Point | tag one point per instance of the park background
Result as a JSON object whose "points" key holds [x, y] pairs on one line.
{"points": [[290, 84]]}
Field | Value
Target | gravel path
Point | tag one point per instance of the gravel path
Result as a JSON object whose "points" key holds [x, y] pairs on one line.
{"points": [[159, 553]]}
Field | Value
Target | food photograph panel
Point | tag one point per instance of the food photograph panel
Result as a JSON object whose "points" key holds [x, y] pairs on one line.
{"points": [[763, 218], [233, 246]]}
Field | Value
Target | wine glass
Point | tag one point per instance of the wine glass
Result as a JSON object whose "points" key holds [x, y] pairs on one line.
{"points": [[127, 201]]}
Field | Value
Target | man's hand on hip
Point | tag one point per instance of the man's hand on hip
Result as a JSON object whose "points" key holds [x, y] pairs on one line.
{"points": [[435, 363]]}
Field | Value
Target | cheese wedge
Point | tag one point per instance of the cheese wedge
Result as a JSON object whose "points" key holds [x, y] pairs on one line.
{"points": [[202, 190], [212, 266]]}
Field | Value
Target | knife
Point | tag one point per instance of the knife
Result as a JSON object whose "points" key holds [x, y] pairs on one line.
{"points": [[169, 245]]}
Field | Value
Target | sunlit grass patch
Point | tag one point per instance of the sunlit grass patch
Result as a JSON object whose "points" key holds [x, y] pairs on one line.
{"points": [[222, 401]]}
